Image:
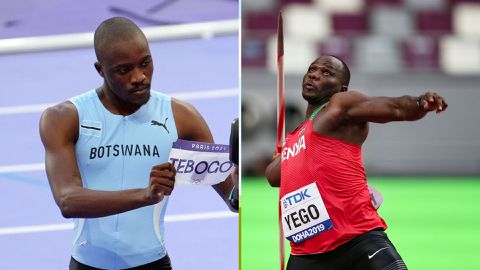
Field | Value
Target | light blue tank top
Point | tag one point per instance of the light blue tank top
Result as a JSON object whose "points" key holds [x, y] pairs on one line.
{"points": [[117, 152]]}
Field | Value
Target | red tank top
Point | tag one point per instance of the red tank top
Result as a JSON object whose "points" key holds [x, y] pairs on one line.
{"points": [[336, 169]]}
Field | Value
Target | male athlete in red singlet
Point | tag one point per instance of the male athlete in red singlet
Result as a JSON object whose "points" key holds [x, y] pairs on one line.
{"points": [[327, 212]]}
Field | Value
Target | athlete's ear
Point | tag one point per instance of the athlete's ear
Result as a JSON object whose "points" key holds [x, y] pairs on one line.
{"points": [[344, 88], [99, 68]]}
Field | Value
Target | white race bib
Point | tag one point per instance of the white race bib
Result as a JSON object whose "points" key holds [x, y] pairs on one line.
{"points": [[199, 163], [304, 214]]}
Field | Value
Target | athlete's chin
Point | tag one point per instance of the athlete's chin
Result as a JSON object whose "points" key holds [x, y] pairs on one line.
{"points": [[309, 96], [140, 97]]}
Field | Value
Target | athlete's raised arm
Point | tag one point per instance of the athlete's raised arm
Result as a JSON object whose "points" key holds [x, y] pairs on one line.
{"points": [[59, 133], [191, 126], [358, 107]]}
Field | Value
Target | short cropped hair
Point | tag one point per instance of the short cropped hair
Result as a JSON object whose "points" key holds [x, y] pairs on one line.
{"points": [[114, 29]]}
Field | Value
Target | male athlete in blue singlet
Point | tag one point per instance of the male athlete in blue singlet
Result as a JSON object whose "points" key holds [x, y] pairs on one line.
{"points": [[107, 151]]}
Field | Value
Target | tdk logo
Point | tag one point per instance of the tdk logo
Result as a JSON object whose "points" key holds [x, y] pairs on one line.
{"points": [[296, 198], [288, 152]]}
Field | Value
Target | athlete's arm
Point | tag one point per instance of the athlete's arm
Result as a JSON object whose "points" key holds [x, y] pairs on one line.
{"points": [[191, 126], [59, 132], [272, 173], [358, 107]]}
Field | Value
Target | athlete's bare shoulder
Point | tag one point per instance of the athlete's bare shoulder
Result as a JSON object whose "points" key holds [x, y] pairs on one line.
{"points": [[59, 120], [62, 112], [190, 123], [182, 108], [336, 121], [347, 98], [65, 107]]}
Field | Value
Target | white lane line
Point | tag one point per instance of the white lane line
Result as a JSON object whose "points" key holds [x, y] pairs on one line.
{"points": [[25, 108], [219, 93], [36, 228], [69, 226], [35, 108], [22, 168], [200, 216], [154, 33]]}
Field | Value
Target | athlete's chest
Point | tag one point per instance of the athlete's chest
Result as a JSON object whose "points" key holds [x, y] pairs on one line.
{"points": [[103, 141], [296, 145], [295, 171]]}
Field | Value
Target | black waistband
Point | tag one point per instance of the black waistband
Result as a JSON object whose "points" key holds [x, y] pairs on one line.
{"points": [[348, 245], [370, 234], [163, 263]]}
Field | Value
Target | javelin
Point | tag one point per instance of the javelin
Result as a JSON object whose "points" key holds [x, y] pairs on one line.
{"points": [[280, 87], [280, 122]]}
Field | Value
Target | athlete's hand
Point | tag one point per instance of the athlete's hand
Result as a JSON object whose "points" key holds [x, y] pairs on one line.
{"points": [[235, 176], [162, 181], [431, 101]]}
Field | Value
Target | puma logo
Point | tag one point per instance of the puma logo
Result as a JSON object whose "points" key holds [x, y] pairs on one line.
{"points": [[164, 125]]}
